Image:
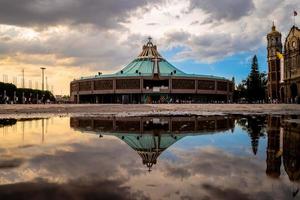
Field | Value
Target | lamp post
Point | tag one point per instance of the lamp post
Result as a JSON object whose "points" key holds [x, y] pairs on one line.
{"points": [[43, 75]]}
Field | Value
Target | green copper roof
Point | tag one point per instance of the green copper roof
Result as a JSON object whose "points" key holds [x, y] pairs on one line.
{"points": [[148, 63], [146, 67], [149, 141]]}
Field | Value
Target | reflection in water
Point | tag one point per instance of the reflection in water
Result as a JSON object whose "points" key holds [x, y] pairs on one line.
{"points": [[149, 136], [213, 157], [255, 126], [283, 143]]}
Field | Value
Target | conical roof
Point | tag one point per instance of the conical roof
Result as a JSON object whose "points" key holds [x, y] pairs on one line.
{"points": [[149, 62], [149, 50]]}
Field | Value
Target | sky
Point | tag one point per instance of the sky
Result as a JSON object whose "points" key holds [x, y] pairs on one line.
{"points": [[75, 38]]}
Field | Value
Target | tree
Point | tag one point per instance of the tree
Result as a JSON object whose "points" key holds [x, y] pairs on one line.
{"points": [[11, 91], [255, 83]]}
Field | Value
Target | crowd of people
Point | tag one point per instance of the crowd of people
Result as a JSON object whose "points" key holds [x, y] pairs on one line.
{"points": [[4, 99]]}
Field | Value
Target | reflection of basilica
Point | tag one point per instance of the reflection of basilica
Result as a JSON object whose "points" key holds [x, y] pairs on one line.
{"points": [[150, 136], [283, 146]]}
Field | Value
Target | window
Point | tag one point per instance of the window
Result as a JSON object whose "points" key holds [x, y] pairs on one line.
{"points": [[206, 85], [74, 87], [183, 84], [128, 84], [103, 85], [222, 86], [85, 86]]}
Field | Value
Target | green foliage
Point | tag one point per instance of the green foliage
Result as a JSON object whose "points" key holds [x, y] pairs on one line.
{"points": [[10, 89], [253, 89]]}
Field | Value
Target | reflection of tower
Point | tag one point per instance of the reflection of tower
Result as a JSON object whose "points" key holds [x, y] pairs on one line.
{"points": [[291, 150], [273, 148]]}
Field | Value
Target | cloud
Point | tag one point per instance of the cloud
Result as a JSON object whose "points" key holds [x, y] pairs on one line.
{"points": [[228, 193], [224, 10], [210, 47], [89, 48], [42, 13]]}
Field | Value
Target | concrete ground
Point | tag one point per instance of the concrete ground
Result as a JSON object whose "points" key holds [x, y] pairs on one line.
{"points": [[145, 109]]}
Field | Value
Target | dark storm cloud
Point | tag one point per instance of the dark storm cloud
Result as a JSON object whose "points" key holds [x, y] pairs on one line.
{"points": [[102, 13], [226, 9]]}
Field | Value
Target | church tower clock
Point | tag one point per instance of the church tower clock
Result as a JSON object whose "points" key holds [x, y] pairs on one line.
{"points": [[274, 46]]}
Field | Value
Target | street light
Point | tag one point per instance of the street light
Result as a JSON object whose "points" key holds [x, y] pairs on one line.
{"points": [[43, 75]]}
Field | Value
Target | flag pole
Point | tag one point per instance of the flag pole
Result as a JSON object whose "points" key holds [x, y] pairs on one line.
{"points": [[295, 14]]}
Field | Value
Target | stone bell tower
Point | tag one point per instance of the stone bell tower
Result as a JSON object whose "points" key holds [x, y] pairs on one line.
{"points": [[274, 46]]}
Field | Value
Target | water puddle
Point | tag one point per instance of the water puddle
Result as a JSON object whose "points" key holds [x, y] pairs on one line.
{"points": [[165, 157]]}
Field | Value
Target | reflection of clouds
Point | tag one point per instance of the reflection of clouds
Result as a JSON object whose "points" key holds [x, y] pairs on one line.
{"points": [[72, 164], [97, 168], [209, 172], [77, 160], [10, 163], [211, 161], [97, 159], [219, 193], [77, 189]]}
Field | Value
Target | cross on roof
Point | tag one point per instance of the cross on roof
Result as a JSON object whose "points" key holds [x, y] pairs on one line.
{"points": [[155, 60]]}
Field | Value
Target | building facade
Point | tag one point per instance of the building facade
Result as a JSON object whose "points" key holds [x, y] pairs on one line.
{"points": [[150, 79], [284, 66]]}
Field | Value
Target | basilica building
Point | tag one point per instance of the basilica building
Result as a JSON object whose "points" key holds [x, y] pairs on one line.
{"points": [[284, 66], [150, 78]]}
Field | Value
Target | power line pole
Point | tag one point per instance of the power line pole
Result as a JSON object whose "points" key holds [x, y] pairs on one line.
{"points": [[23, 81], [46, 83], [43, 77]]}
